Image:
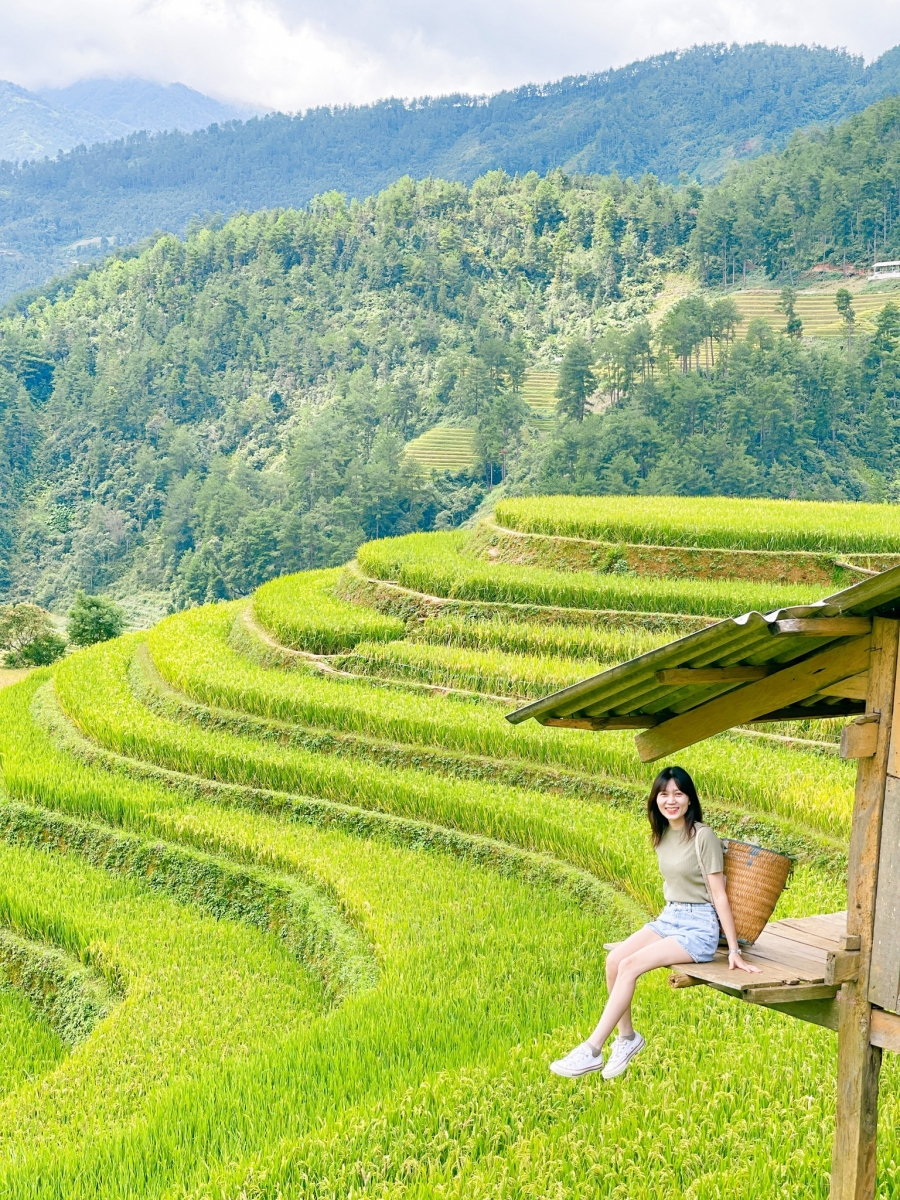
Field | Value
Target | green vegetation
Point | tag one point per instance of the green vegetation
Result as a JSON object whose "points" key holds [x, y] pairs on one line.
{"points": [[267, 382], [524, 637], [94, 619], [445, 448], [682, 111], [342, 920], [435, 563], [193, 654], [28, 1046], [488, 671], [719, 522], [28, 636], [303, 614], [271, 371], [789, 212]]}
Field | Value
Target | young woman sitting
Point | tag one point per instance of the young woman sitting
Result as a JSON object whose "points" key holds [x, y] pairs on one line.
{"points": [[687, 930]]}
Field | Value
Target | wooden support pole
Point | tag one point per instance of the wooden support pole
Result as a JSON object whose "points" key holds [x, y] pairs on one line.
{"points": [[856, 1123]]}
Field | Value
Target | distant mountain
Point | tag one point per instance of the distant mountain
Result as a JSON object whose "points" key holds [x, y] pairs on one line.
{"points": [[37, 125], [693, 112], [135, 104], [31, 127]]}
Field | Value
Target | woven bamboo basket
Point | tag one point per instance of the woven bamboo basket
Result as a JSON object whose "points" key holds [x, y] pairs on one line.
{"points": [[754, 879]]}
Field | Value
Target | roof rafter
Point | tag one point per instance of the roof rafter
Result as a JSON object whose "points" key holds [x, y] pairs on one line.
{"points": [[788, 686]]}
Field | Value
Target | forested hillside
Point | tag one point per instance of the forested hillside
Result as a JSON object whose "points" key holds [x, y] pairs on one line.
{"points": [[831, 198], [200, 416], [214, 412], [695, 111]]}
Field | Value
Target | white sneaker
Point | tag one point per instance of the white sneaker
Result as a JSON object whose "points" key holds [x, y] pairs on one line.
{"points": [[579, 1061], [621, 1055]]}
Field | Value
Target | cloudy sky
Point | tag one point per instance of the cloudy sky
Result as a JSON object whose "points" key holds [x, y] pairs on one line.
{"points": [[291, 54]]}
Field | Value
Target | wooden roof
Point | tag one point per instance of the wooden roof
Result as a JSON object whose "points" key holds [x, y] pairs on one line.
{"points": [[809, 660]]}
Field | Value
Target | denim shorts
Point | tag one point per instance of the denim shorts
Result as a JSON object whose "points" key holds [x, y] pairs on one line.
{"points": [[694, 926]]}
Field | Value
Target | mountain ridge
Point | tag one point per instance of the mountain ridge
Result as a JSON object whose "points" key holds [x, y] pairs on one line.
{"points": [[693, 111]]}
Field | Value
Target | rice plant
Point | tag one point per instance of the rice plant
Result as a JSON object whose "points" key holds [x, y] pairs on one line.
{"points": [[434, 563], [553, 639], [487, 671], [303, 614], [837, 527], [192, 652]]}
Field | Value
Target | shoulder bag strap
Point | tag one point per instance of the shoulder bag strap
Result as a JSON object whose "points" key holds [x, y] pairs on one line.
{"points": [[703, 872]]}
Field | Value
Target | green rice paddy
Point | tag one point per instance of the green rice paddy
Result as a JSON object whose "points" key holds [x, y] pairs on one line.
{"points": [[340, 918]]}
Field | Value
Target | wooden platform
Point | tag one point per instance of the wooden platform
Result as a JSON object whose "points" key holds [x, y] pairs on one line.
{"points": [[803, 961], [800, 958]]}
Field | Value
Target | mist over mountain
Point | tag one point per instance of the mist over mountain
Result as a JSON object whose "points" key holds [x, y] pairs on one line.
{"points": [[136, 104], [38, 125], [692, 112], [31, 127]]}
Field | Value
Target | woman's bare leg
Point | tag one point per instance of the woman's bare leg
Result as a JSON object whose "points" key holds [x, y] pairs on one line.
{"points": [[637, 941], [664, 952]]}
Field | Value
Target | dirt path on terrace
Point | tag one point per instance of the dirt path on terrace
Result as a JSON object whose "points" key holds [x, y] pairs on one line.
{"points": [[7, 677]]}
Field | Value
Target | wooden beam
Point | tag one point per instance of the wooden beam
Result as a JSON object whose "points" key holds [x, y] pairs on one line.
{"points": [[805, 712], [790, 993], [854, 688], [842, 966], [818, 1012], [600, 723], [788, 686], [859, 1062], [859, 739], [691, 675], [885, 1031], [884, 977], [823, 626]]}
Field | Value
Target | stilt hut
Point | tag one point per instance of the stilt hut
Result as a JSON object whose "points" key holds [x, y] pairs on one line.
{"points": [[835, 658]]}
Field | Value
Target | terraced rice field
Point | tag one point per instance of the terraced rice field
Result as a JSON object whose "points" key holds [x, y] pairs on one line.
{"points": [[445, 448], [452, 447], [712, 522], [816, 310], [539, 391], [304, 916]]}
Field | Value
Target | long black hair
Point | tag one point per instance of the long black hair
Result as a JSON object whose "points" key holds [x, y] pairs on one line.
{"points": [[659, 823]]}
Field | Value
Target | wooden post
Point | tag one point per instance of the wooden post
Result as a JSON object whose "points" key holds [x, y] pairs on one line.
{"points": [[853, 1160]]}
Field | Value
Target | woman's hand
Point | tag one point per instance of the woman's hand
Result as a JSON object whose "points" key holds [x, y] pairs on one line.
{"points": [[736, 963]]}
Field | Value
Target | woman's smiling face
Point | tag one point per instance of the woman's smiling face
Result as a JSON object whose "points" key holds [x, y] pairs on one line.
{"points": [[673, 803]]}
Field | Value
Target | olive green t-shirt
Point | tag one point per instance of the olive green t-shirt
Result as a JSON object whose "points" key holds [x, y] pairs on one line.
{"points": [[682, 877]]}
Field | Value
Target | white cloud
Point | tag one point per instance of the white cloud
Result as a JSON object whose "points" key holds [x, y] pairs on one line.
{"points": [[291, 54]]}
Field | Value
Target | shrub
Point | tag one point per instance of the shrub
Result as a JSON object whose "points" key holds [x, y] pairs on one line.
{"points": [[40, 652], [94, 619], [28, 636]]}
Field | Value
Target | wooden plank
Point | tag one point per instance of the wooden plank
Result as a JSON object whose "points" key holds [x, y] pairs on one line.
{"points": [[818, 1012], [813, 964], [832, 927], [823, 626], [774, 949], [692, 675], [718, 974], [823, 931], [854, 688], [790, 994], [787, 686], [884, 976], [859, 1062], [859, 739], [597, 724], [885, 1032], [679, 980]]}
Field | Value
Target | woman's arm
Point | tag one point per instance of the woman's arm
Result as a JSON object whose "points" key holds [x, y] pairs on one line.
{"points": [[726, 918]]}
